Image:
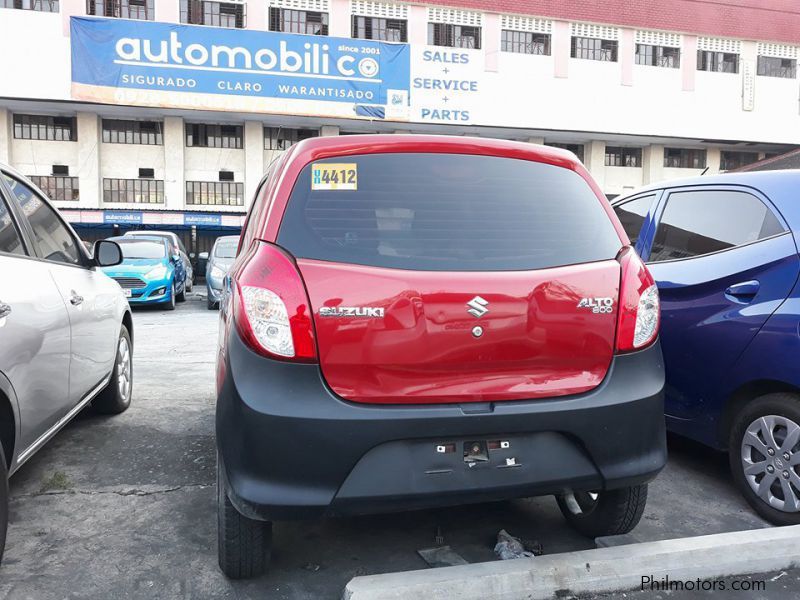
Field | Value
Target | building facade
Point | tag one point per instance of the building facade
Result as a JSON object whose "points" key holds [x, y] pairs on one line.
{"points": [[166, 113]]}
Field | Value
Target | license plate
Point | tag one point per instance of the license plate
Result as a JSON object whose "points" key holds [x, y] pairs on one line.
{"points": [[128, 293]]}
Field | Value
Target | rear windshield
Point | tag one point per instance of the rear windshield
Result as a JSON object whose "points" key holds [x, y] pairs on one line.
{"points": [[141, 249], [226, 250], [445, 212]]}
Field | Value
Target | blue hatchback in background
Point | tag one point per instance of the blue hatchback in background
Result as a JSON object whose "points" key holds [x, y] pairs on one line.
{"points": [[723, 250], [147, 273]]}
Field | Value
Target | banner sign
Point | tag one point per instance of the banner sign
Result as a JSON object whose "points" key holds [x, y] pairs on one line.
{"points": [[122, 218], [200, 219], [164, 64]]}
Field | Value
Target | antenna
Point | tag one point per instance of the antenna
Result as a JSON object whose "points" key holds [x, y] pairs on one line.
{"points": [[704, 171]]}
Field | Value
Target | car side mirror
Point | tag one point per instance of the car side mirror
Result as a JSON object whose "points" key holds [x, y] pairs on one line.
{"points": [[107, 254], [203, 256]]}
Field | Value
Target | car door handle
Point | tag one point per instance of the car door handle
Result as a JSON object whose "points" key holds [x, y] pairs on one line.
{"points": [[744, 291], [75, 299], [5, 309]]}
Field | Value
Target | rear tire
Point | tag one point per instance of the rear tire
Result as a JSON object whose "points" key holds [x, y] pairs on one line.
{"points": [[3, 502], [243, 545], [612, 512], [771, 418], [116, 398], [182, 296]]}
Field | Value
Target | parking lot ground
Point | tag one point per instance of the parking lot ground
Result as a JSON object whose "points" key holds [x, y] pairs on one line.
{"points": [[124, 507]]}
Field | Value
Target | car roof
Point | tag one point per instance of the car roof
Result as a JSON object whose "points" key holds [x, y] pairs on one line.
{"points": [[147, 232], [227, 238], [138, 238], [781, 187]]}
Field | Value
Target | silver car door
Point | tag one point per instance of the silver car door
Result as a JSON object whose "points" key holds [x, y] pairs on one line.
{"points": [[34, 336]]}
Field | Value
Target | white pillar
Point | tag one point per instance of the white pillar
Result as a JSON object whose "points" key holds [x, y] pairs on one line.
{"points": [[594, 156], [5, 136], [253, 158], [89, 160], [535, 140], [174, 182], [329, 130], [652, 163], [713, 160], [339, 20]]}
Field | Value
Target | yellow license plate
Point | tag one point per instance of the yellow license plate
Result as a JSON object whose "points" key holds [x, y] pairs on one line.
{"points": [[334, 176]]}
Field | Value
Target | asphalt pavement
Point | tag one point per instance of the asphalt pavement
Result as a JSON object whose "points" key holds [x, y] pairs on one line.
{"points": [[124, 506]]}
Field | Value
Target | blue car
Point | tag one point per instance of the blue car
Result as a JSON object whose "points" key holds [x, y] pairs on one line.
{"points": [[723, 250], [148, 273]]}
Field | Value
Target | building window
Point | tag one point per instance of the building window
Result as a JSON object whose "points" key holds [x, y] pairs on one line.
{"points": [[40, 5], [134, 191], [218, 14], [282, 138], [730, 160], [117, 131], [201, 135], [214, 193], [684, 158], [618, 156], [658, 56], [771, 66], [40, 127], [717, 62], [594, 49], [454, 36], [576, 149], [122, 9], [298, 21], [525, 42], [57, 188], [375, 28]]}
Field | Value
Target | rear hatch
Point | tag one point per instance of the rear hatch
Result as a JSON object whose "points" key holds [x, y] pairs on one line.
{"points": [[454, 278]]}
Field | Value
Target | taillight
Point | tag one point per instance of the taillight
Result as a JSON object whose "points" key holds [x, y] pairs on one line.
{"points": [[639, 309], [271, 308]]}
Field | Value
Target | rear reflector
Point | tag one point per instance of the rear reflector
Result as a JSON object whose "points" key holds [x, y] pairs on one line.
{"points": [[639, 309], [271, 307]]}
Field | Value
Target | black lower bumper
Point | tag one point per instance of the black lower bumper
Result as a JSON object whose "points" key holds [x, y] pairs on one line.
{"points": [[293, 449]]}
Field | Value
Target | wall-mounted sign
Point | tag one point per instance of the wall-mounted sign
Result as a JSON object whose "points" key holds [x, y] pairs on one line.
{"points": [[163, 64], [112, 217], [202, 220]]}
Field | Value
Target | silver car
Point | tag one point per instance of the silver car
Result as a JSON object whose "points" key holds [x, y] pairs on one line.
{"points": [[220, 260], [66, 335]]}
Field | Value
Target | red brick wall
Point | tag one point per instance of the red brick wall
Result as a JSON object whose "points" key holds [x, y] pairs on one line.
{"points": [[768, 20]]}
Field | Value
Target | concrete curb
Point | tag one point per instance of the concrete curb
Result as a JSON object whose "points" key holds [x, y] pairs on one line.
{"points": [[592, 571]]}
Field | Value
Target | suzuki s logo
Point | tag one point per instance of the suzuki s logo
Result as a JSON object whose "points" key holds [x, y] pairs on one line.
{"points": [[351, 311], [598, 305], [478, 307]]}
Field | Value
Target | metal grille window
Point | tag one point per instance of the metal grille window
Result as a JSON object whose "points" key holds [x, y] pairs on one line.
{"points": [[298, 21], [594, 49], [525, 42], [282, 138], [134, 191], [730, 159], [148, 133], [618, 156], [771, 66], [454, 36], [218, 14], [376, 28], [40, 5], [658, 56], [717, 62], [201, 135], [214, 193], [576, 149], [684, 158], [56, 187], [123, 9], [41, 127]]}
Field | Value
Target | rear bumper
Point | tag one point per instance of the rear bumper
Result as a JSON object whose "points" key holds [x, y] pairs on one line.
{"points": [[293, 449]]}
